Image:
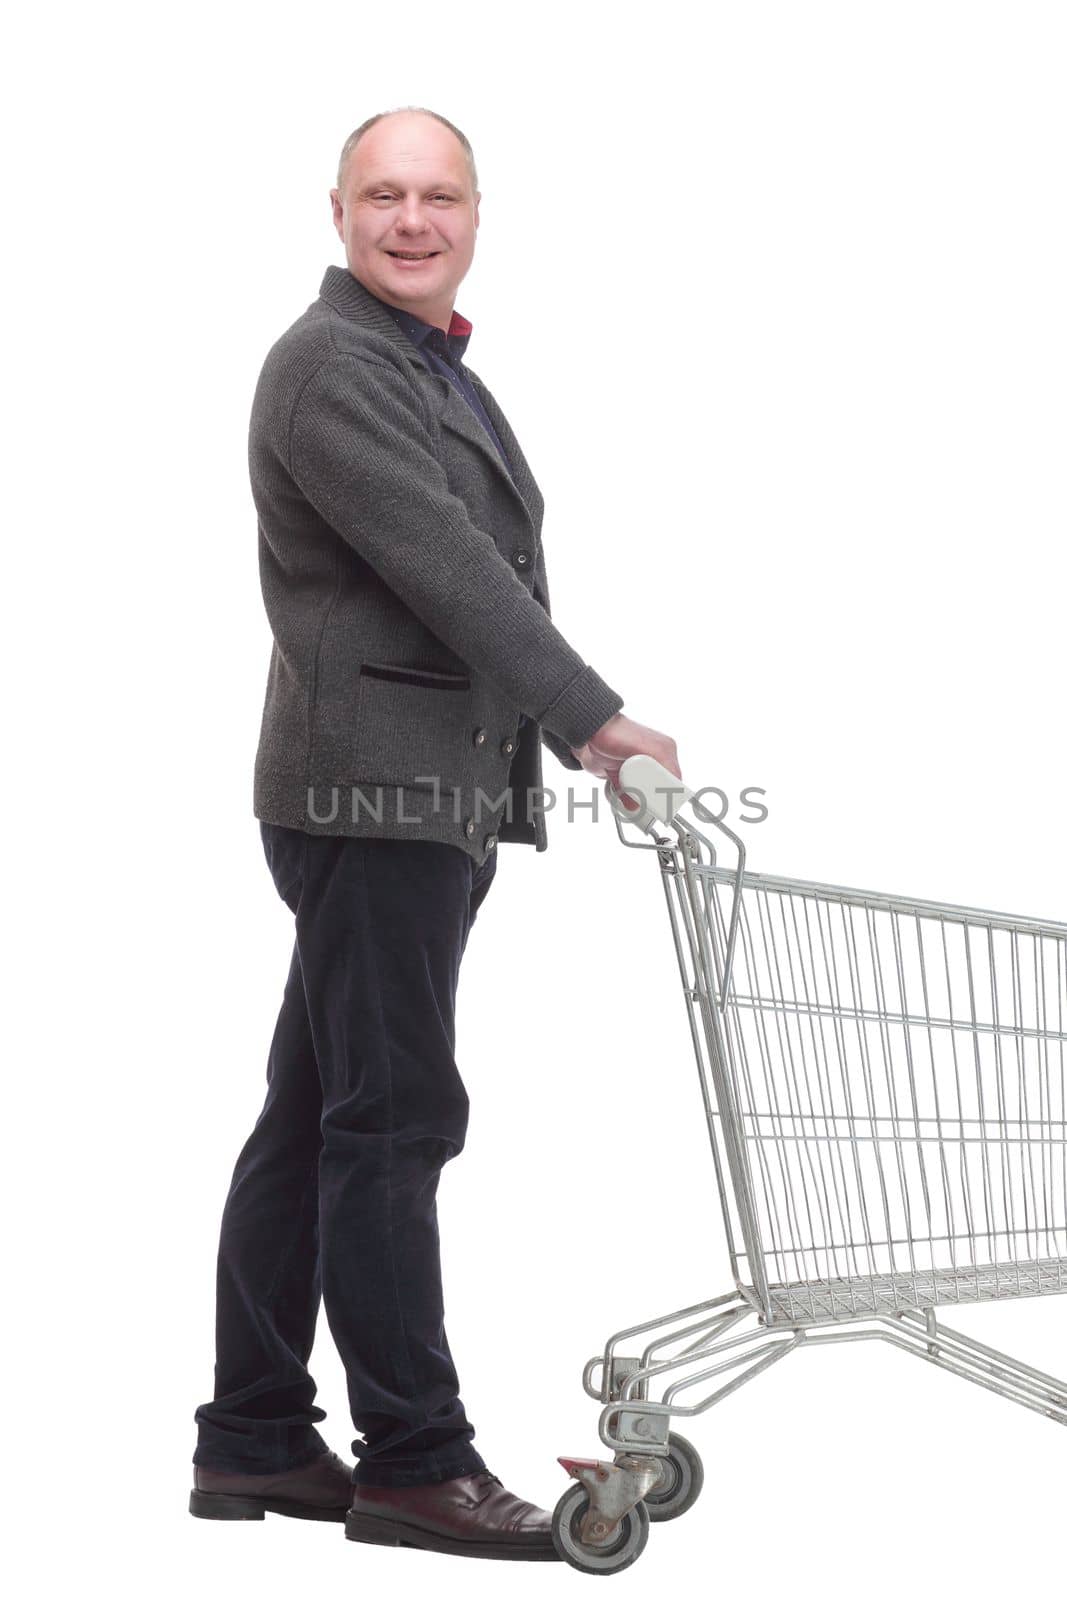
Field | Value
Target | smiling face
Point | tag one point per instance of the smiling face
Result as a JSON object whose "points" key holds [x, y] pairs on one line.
{"points": [[407, 214]]}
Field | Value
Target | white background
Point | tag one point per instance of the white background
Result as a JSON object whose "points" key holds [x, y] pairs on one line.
{"points": [[773, 297]]}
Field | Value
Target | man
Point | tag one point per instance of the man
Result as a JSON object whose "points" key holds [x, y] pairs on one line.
{"points": [[415, 671]]}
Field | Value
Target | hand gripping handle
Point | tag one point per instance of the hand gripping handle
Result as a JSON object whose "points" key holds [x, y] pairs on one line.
{"points": [[658, 792]]}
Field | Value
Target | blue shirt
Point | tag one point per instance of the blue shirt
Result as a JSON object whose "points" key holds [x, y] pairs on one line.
{"points": [[443, 352]]}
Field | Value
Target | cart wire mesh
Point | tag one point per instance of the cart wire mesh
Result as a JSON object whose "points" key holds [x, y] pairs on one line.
{"points": [[885, 1082]]}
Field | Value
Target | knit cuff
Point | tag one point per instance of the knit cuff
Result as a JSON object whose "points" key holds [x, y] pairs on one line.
{"points": [[584, 706], [561, 751]]}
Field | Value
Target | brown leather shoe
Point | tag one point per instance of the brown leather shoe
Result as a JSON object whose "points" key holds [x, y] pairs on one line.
{"points": [[471, 1516], [320, 1491]]}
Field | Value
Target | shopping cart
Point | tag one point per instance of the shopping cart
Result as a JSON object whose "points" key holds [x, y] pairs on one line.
{"points": [[885, 1086]]}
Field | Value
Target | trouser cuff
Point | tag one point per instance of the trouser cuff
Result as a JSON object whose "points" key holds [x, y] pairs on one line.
{"points": [[434, 1466]]}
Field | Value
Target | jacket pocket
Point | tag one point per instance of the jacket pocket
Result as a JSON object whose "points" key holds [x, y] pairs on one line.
{"points": [[417, 677], [412, 724]]}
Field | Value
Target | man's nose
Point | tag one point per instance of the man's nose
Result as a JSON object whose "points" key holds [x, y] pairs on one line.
{"points": [[412, 216]]}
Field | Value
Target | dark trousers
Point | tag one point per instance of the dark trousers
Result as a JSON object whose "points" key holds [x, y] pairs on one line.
{"points": [[334, 1193]]}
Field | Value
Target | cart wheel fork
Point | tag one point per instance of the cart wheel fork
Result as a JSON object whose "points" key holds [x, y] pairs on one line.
{"points": [[614, 1488]]}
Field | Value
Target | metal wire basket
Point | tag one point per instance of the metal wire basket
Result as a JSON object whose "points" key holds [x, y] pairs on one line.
{"points": [[885, 1086]]}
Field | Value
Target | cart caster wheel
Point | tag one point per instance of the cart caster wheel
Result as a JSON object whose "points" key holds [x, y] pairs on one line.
{"points": [[681, 1481], [622, 1551]]}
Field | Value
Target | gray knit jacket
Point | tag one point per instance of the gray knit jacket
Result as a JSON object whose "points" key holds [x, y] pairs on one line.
{"points": [[404, 579]]}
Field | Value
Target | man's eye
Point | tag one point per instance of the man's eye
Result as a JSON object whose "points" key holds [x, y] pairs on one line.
{"points": [[383, 194]]}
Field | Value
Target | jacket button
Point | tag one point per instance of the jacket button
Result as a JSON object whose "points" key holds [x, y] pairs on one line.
{"points": [[522, 558], [507, 747], [479, 736], [490, 843], [468, 827]]}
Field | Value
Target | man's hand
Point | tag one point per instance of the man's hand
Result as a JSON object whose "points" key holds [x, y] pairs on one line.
{"points": [[619, 737]]}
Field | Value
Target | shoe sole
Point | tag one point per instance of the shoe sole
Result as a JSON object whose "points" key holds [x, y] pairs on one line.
{"points": [[380, 1530], [253, 1508]]}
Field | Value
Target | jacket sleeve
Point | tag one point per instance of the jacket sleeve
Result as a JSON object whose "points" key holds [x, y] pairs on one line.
{"points": [[360, 451], [559, 748]]}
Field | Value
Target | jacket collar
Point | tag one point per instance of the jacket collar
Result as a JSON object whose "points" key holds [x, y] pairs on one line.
{"points": [[348, 296], [353, 300]]}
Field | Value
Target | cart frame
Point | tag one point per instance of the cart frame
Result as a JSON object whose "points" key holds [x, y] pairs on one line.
{"points": [[884, 1081]]}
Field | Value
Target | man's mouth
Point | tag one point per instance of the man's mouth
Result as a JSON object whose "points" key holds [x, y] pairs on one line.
{"points": [[412, 255]]}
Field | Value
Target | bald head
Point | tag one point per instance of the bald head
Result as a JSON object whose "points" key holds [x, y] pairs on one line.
{"points": [[407, 111], [406, 209]]}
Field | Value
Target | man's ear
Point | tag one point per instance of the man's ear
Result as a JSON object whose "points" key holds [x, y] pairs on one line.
{"points": [[338, 211], [477, 197]]}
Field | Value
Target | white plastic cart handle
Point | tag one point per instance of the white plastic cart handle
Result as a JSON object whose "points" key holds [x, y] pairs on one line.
{"points": [[654, 786]]}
